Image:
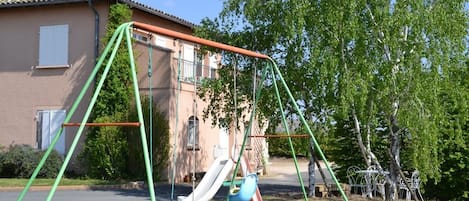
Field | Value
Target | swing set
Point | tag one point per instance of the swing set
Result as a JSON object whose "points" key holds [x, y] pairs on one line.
{"points": [[249, 183]]}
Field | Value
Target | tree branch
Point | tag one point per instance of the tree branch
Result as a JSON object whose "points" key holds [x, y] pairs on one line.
{"points": [[403, 176]]}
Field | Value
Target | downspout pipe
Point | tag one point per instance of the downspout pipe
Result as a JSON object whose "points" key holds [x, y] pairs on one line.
{"points": [[96, 30]]}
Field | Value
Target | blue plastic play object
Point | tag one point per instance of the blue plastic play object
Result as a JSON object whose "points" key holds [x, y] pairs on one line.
{"points": [[246, 190]]}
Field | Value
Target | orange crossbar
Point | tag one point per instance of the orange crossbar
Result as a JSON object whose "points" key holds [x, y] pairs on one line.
{"points": [[280, 136], [136, 124], [194, 39]]}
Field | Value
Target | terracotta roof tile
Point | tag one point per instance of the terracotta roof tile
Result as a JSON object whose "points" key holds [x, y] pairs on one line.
{"points": [[157, 12], [131, 3], [19, 3]]}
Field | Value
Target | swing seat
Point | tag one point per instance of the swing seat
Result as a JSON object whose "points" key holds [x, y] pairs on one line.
{"points": [[235, 182], [246, 190]]}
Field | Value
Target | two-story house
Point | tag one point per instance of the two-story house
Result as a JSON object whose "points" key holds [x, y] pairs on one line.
{"points": [[48, 49]]}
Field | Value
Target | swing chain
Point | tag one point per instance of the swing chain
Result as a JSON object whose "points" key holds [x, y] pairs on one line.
{"points": [[150, 72]]}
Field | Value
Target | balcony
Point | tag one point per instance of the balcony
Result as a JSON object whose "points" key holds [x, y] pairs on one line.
{"points": [[195, 71]]}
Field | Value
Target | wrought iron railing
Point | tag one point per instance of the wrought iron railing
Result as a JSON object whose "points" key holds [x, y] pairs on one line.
{"points": [[195, 71]]}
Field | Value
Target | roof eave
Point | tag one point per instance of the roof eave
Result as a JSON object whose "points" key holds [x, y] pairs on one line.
{"points": [[130, 3], [167, 16], [38, 3]]}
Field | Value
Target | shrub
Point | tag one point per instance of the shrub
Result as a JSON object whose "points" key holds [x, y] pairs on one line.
{"points": [[19, 161], [105, 150], [51, 167], [161, 145]]}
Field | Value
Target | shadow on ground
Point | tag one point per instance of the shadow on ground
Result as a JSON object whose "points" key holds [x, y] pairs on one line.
{"points": [[270, 192]]}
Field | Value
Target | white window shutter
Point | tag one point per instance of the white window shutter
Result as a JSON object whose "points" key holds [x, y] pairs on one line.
{"points": [[52, 120], [53, 45], [213, 63], [57, 119], [45, 130], [160, 41], [188, 61]]}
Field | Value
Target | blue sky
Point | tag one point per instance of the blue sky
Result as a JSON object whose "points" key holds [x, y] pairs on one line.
{"points": [[190, 10]]}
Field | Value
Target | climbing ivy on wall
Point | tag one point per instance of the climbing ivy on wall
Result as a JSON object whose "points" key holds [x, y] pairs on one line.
{"points": [[105, 150]]}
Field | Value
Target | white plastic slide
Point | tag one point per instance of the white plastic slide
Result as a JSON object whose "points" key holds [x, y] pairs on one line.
{"points": [[211, 182]]}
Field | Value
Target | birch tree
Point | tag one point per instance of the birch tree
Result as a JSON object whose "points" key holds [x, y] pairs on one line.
{"points": [[377, 66]]}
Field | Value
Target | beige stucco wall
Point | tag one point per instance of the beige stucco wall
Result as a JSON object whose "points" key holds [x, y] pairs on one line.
{"points": [[24, 89], [165, 85], [164, 89]]}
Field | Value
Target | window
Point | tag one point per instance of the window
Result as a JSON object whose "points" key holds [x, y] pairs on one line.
{"points": [[160, 41], [196, 66], [53, 46], [140, 37], [188, 63], [192, 64], [199, 65], [48, 124], [213, 66], [193, 133]]}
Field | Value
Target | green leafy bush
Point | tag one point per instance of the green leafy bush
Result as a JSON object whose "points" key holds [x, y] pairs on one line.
{"points": [[19, 161], [105, 150], [161, 145]]}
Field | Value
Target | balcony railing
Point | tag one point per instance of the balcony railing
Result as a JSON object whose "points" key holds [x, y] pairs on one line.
{"points": [[195, 71]]}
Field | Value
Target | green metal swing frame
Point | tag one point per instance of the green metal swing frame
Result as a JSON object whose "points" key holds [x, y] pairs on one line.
{"points": [[114, 43]]}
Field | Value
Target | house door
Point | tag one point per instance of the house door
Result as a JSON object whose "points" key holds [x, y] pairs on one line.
{"points": [[48, 124]]}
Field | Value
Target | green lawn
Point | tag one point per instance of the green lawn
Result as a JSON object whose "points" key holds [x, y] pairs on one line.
{"points": [[8, 182]]}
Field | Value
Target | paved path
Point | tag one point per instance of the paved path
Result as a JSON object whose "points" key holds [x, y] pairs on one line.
{"points": [[282, 179], [78, 195], [283, 171]]}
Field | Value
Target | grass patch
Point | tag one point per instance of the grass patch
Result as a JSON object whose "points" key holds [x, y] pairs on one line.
{"points": [[10, 182]]}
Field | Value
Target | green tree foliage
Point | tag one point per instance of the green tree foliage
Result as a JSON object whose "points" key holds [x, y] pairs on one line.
{"points": [[374, 71], [105, 150], [161, 146], [280, 146], [455, 135], [115, 95]]}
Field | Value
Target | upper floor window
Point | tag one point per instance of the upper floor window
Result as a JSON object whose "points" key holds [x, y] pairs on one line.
{"points": [[213, 65], [192, 66], [153, 39], [188, 54], [140, 37], [195, 66], [160, 41], [53, 46]]}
